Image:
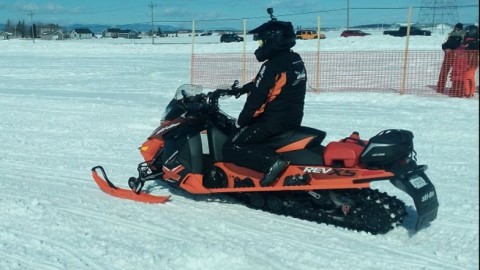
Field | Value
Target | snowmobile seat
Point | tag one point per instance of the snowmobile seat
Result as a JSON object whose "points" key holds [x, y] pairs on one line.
{"points": [[300, 138]]}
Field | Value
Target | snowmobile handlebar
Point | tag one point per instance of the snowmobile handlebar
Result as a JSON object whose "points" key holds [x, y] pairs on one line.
{"points": [[206, 102], [215, 95]]}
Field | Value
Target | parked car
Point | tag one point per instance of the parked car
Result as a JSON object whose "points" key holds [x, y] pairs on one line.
{"points": [[230, 37], [308, 34], [354, 33], [402, 31]]}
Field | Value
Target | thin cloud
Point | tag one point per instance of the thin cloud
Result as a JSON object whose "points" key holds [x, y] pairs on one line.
{"points": [[23, 6], [293, 5], [52, 7], [76, 10], [175, 12]]}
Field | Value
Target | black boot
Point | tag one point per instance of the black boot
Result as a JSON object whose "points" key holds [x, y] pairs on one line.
{"points": [[272, 173]]}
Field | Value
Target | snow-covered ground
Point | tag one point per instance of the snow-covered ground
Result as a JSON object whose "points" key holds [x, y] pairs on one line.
{"points": [[66, 106]]}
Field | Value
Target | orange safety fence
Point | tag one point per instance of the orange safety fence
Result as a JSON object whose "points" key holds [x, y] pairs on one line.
{"points": [[403, 72]]}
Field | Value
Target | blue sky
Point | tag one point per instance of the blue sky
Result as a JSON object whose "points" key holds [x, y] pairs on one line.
{"points": [[211, 13]]}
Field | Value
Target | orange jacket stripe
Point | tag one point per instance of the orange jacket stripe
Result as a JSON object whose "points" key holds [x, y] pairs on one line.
{"points": [[281, 80]]}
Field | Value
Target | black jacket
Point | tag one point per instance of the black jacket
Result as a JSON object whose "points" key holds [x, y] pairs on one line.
{"points": [[471, 43], [453, 41], [276, 96]]}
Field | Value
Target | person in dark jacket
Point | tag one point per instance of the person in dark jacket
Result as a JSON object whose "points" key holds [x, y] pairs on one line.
{"points": [[274, 104], [453, 42]]}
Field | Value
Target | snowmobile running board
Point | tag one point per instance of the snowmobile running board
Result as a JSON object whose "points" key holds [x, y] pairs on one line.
{"points": [[108, 187]]}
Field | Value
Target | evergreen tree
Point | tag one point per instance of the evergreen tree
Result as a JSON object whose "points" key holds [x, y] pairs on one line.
{"points": [[9, 27], [20, 29], [34, 31]]}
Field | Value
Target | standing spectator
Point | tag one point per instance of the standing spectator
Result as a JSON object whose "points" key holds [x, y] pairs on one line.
{"points": [[471, 44], [453, 41], [465, 64]]}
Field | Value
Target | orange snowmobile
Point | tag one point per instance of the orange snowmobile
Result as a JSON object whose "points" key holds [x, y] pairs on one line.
{"points": [[322, 183]]}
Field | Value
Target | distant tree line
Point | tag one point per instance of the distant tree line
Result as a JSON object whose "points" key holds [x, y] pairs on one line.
{"points": [[19, 29]]}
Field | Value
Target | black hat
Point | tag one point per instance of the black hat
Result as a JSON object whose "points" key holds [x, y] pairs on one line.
{"points": [[471, 31], [459, 26]]}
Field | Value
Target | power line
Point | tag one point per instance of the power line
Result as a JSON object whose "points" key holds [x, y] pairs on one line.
{"points": [[312, 12]]}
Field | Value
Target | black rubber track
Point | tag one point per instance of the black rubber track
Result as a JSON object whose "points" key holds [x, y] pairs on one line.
{"points": [[366, 210]]}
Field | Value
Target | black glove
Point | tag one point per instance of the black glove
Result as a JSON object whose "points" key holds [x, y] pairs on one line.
{"points": [[237, 90], [235, 85]]}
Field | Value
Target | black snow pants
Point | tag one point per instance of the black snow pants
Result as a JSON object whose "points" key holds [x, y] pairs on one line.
{"points": [[246, 148]]}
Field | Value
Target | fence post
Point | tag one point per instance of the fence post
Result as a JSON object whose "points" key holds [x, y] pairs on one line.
{"points": [[405, 56], [244, 60], [317, 72], [192, 61]]}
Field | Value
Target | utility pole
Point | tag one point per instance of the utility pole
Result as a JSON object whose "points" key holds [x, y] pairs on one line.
{"points": [[31, 21], [348, 14], [151, 12]]}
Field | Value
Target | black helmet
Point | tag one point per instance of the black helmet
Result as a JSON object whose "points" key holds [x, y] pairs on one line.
{"points": [[276, 36], [459, 26], [471, 31]]}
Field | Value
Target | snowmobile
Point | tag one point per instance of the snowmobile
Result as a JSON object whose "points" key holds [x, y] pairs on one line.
{"points": [[325, 183]]}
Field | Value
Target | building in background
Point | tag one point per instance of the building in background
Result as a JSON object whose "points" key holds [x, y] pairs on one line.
{"points": [[81, 33]]}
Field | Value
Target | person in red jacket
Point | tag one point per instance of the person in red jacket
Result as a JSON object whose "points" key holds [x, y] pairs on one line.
{"points": [[471, 44], [465, 64], [274, 104], [453, 42]]}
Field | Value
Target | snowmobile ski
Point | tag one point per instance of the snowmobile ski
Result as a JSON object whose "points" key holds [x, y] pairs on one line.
{"points": [[108, 187]]}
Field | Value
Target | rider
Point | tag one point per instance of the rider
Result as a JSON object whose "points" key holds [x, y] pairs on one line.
{"points": [[274, 104]]}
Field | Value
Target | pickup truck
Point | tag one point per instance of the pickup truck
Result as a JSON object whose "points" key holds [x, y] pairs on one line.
{"points": [[402, 31]]}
